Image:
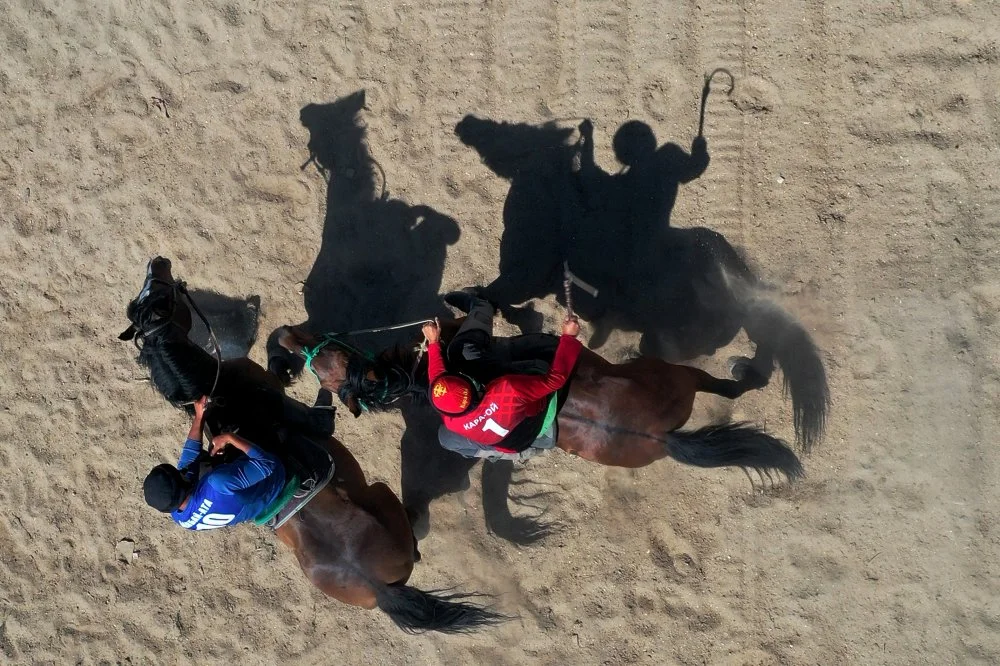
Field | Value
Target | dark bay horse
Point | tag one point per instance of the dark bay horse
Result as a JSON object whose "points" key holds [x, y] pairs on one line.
{"points": [[625, 415], [353, 540]]}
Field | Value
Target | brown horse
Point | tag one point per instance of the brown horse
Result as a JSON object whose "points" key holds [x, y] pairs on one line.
{"points": [[625, 415], [353, 539]]}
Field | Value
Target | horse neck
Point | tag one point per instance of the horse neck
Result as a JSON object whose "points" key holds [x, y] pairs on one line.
{"points": [[405, 357], [179, 369]]}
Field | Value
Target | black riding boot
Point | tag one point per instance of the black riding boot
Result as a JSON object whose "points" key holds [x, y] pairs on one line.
{"points": [[472, 342]]}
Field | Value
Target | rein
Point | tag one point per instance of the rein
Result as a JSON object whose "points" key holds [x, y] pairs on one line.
{"points": [[180, 287], [332, 339]]}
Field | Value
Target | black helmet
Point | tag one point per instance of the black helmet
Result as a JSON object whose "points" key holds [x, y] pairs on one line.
{"points": [[165, 488]]}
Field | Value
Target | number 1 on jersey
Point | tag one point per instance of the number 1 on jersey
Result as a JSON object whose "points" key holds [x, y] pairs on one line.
{"points": [[494, 427]]}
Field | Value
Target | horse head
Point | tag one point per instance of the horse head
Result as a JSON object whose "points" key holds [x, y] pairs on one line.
{"points": [[362, 383], [512, 148], [160, 322], [337, 143], [157, 310], [329, 364]]}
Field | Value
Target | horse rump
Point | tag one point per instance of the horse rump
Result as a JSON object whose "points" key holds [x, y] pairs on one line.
{"points": [[416, 611], [734, 445]]}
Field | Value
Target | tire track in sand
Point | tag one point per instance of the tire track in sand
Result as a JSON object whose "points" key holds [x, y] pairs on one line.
{"points": [[719, 31], [603, 59], [461, 55], [528, 56]]}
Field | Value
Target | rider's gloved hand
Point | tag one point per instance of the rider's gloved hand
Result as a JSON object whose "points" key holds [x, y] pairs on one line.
{"points": [[571, 327]]}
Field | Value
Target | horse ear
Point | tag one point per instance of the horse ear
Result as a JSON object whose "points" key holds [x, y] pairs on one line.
{"points": [[127, 334], [289, 338]]}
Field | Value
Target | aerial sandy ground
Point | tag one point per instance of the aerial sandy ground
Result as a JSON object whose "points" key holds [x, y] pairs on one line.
{"points": [[855, 164]]}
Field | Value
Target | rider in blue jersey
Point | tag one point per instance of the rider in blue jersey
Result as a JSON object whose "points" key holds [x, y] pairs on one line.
{"points": [[228, 494]]}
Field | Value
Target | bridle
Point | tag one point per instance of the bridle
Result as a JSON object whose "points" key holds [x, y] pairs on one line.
{"points": [[388, 392], [178, 288]]}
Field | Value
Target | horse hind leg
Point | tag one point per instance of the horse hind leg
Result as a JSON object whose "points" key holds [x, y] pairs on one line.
{"points": [[753, 371]]}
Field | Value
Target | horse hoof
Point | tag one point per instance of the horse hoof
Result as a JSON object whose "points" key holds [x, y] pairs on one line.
{"points": [[742, 370], [280, 368], [739, 366]]}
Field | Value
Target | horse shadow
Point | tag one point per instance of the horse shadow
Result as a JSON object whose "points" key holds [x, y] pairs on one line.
{"points": [[687, 291], [234, 321], [381, 261]]}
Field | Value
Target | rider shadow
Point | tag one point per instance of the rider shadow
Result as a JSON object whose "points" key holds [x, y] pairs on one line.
{"points": [[687, 291], [381, 261], [563, 207]]}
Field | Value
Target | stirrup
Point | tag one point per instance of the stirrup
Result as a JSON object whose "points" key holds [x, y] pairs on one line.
{"points": [[305, 488]]}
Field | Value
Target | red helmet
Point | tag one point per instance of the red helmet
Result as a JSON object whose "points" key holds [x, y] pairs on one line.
{"points": [[452, 394]]}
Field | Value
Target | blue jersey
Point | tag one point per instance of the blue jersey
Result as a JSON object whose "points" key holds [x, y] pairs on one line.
{"points": [[230, 493]]}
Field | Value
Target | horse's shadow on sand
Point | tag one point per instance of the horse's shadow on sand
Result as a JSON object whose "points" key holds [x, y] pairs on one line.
{"points": [[688, 291], [381, 262], [234, 322]]}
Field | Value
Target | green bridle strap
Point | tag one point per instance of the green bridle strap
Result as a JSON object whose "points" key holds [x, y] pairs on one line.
{"points": [[310, 354], [330, 338]]}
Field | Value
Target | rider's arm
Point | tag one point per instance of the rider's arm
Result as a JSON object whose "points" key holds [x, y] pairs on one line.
{"points": [[245, 472], [532, 387], [695, 164], [591, 181], [192, 445], [192, 449], [435, 361]]}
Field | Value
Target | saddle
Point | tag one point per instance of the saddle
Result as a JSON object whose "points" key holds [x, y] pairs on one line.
{"points": [[308, 465], [529, 354], [527, 433]]}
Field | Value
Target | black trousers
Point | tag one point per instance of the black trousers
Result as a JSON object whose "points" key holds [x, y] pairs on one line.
{"points": [[470, 351]]}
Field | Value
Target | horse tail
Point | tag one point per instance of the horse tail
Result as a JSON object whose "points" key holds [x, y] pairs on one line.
{"points": [[783, 339], [734, 445], [415, 611]]}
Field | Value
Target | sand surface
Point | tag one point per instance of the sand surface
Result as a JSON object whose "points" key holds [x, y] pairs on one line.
{"points": [[856, 163]]}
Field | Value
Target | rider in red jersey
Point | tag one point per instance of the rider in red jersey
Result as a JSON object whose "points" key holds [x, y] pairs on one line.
{"points": [[478, 421]]}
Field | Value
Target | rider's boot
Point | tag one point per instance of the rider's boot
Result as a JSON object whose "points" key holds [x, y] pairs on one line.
{"points": [[466, 299], [475, 333]]}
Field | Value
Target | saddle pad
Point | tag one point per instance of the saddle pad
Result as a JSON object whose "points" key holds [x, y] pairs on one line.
{"points": [[287, 505]]}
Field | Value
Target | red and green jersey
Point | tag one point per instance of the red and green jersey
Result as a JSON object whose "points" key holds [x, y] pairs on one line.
{"points": [[507, 400]]}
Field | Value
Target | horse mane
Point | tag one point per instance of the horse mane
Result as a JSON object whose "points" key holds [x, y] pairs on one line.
{"points": [[396, 377], [178, 370]]}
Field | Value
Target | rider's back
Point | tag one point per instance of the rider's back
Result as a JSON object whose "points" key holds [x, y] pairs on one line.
{"points": [[233, 492]]}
